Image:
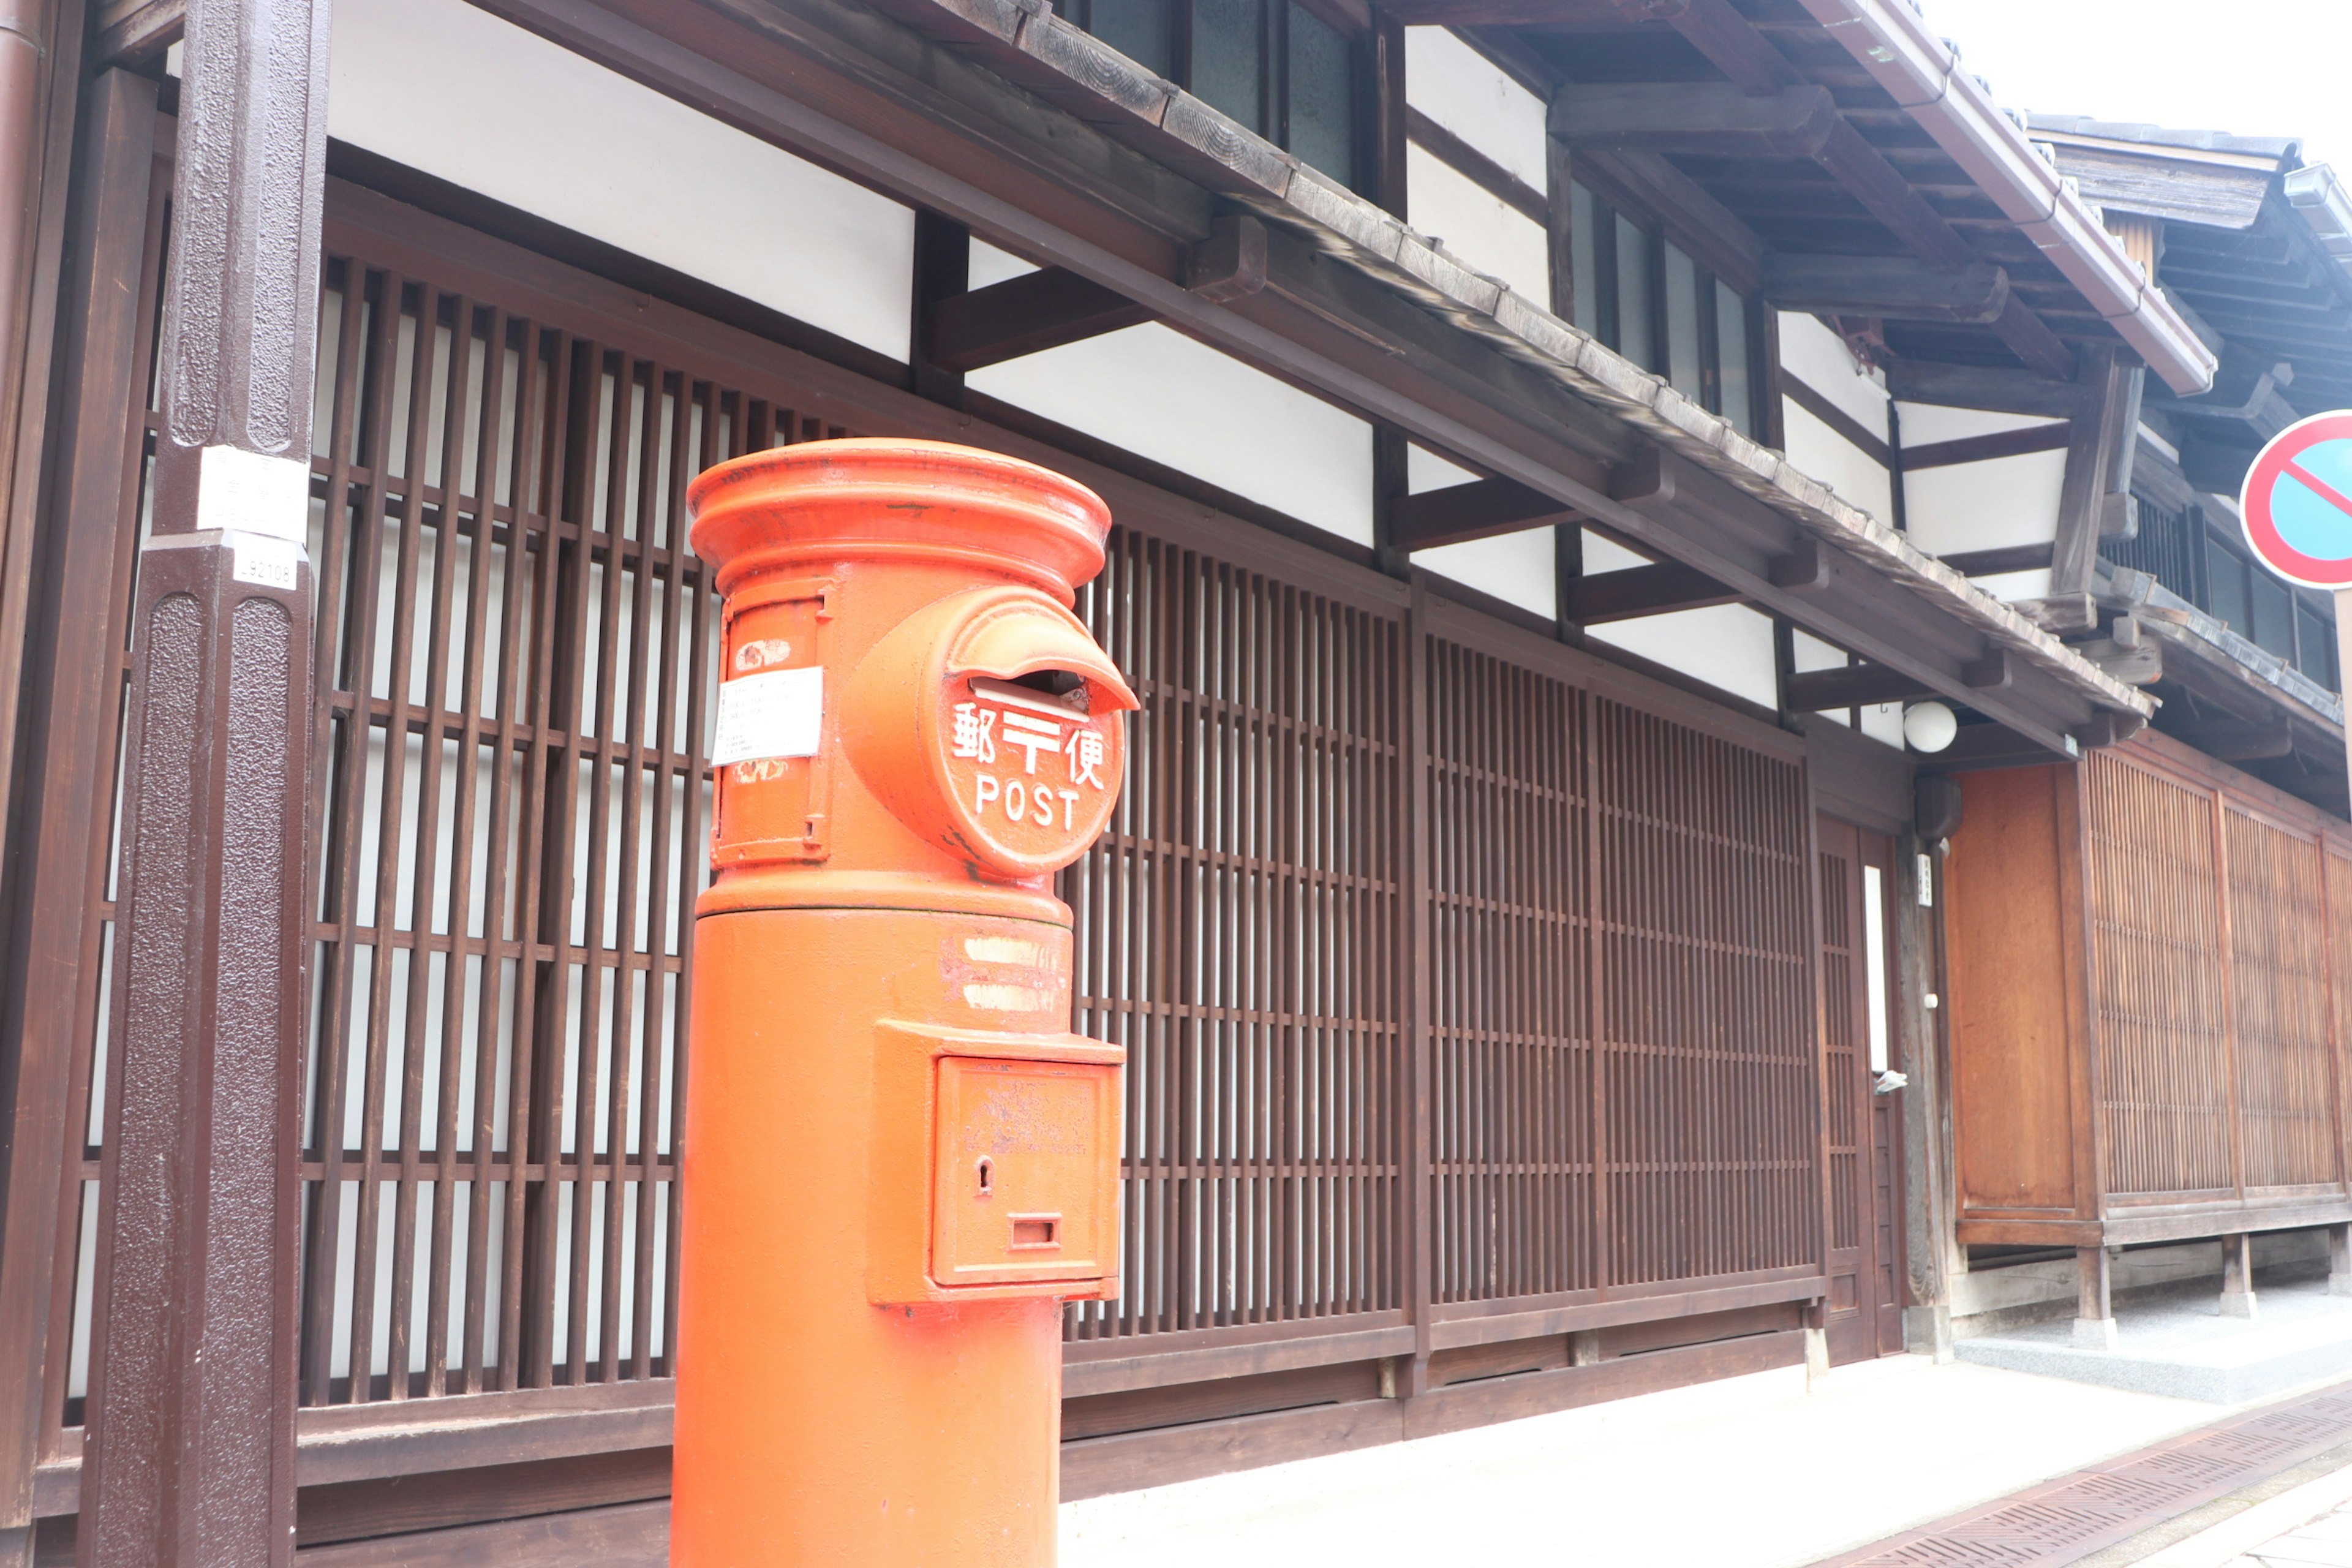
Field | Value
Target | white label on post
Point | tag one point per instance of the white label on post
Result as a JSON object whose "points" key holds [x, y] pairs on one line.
{"points": [[263, 561], [251, 493], [776, 714]]}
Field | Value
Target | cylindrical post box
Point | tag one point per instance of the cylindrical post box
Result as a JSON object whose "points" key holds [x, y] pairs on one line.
{"points": [[899, 1160]]}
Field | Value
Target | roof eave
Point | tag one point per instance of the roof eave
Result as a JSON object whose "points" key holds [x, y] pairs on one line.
{"points": [[1892, 42]]}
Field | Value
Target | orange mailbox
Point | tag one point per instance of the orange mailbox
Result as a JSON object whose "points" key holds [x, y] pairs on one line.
{"points": [[899, 1161]]}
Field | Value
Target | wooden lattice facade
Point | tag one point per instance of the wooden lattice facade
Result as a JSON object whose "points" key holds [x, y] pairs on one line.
{"points": [[2150, 952], [1467, 981]]}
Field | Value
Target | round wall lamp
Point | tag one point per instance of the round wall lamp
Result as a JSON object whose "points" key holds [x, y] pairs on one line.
{"points": [[1929, 726]]}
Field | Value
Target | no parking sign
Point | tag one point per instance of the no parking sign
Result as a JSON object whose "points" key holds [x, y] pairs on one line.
{"points": [[2297, 511], [2297, 502]]}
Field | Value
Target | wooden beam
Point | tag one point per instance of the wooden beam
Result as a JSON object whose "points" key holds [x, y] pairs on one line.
{"points": [[133, 32], [2235, 740], [1731, 43], [2093, 448], [1023, 315], [2164, 186], [1985, 387], [1978, 746], [1855, 686], [861, 93], [1638, 591], [1517, 13], [1894, 286], [1479, 510], [1695, 118], [1717, 237], [1809, 566]]}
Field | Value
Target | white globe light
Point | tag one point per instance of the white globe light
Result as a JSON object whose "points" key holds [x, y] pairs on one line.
{"points": [[1929, 726]]}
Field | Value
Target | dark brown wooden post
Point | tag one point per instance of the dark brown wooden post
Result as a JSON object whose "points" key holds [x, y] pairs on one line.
{"points": [[190, 1450]]}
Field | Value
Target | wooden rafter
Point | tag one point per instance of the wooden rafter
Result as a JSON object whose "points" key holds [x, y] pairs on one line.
{"points": [[1638, 591], [1480, 509]]}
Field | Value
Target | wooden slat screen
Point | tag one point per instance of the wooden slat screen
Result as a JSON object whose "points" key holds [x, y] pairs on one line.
{"points": [[2213, 975], [1841, 1046], [508, 816], [2284, 1049], [1510, 1035], [1547, 802], [1237, 932], [2156, 911], [1708, 1062]]}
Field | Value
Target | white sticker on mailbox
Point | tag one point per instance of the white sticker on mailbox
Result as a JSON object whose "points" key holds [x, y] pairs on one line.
{"points": [[775, 713]]}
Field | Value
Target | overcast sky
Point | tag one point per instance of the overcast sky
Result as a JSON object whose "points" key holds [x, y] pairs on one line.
{"points": [[2257, 67]]}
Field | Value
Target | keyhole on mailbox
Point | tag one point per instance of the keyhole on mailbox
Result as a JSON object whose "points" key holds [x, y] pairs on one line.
{"points": [[987, 1176]]}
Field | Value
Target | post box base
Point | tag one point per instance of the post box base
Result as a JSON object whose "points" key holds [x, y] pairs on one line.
{"points": [[815, 1425]]}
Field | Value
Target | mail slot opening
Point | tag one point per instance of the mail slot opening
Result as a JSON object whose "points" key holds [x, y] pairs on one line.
{"points": [[1036, 1230], [1062, 690]]}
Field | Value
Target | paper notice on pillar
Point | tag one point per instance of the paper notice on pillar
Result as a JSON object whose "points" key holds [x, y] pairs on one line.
{"points": [[775, 713]]}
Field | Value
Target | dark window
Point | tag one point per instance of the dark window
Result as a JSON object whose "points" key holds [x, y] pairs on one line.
{"points": [[2274, 616], [2197, 557], [2225, 576], [1142, 30], [1273, 65], [1652, 302], [2315, 644]]}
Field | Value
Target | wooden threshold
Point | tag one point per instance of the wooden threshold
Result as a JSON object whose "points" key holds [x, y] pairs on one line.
{"points": [[2131, 1226]]}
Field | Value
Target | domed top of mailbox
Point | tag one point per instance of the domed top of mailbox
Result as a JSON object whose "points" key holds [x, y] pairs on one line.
{"points": [[876, 498]]}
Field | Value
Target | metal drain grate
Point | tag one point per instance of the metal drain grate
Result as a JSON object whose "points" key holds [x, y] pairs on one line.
{"points": [[2067, 1519]]}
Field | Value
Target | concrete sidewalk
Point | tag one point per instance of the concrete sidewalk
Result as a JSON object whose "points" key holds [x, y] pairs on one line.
{"points": [[1752, 1472]]}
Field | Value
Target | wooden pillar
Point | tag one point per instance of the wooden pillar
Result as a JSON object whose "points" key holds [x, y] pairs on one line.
{"points": [[2339, 1259], [68, 760], [190, 1457], [2094, 1312], [2238, 1275]]}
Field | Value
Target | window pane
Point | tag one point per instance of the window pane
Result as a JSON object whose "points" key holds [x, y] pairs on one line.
{"points": [[1682, 324], [2313, 635], [1633, 336], [1322, 100], [1585, 299], [1142, 30], [1227, 40], [1731, 348], [2226, 575], [2274, 616]]}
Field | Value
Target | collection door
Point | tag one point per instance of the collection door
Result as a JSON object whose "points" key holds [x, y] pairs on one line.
{"points": [[1861, 1068]]}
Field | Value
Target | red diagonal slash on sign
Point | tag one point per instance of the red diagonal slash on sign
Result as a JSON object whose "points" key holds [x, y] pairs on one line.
{"points": [[2319, 487]]}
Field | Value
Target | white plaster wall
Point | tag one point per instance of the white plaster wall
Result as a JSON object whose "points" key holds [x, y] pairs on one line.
{"points": [[1926, 423], [989, 264], [1516, 568], [1727, 646], [1462, 90], [2033, 584], [1823, 454], [1989, 505], [1477, 226], [1819, 357], [1605, 554], [1161, 395], [1883, 722], [442, 87]]}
